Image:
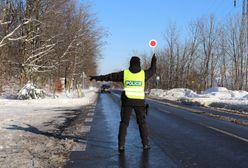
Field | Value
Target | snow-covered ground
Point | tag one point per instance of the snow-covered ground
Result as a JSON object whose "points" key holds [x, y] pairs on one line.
{"points": [[31, 134], [216, 96], [30, 129]]}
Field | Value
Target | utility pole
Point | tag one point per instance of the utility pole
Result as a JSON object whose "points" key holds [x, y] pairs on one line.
{"points": [[245, 23], [245, 35], [244, 7]]}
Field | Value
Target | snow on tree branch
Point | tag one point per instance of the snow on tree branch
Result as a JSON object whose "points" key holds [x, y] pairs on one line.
{"points": [[39, 55], [28, 40], [4, 23], [75, 38], [18, 38], [9, 35], [2, 42]]}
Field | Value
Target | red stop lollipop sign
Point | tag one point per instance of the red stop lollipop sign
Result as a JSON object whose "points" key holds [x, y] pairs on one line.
{"points": [[153, 43]]}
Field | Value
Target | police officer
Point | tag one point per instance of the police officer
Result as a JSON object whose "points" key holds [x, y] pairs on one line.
{"points": [[132, 97]]}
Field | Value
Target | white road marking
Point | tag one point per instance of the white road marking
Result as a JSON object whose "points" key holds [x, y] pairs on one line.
{"points": [[165, 111], [88, 120], [177, 106], [90, 114], [79, 147], [213, 128], [85, 129], [82, 144], [84, 147], [227, 133]]}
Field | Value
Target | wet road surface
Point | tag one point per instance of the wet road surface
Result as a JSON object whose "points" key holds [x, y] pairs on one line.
{"points": [[178, 137]]}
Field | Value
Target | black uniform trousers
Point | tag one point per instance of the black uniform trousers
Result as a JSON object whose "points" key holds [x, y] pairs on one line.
{"points": [[126, 112]]}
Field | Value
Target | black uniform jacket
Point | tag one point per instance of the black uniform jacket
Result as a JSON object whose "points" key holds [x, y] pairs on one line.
{"points": [[119, 77]]}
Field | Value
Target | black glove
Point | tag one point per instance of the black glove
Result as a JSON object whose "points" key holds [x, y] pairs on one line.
{"points": [[154, 58]]}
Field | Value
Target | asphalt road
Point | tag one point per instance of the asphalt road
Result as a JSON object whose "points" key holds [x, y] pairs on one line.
{"points": [[179, 137]]}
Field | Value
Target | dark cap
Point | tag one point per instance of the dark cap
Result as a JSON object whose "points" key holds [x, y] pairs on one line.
{"points": [[135, 61]]}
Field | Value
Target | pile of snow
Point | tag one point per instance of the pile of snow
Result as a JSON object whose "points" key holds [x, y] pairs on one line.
{"points": [[60, 100], [173, 94], [30, 91], [224, 94], [217, 96], [219, 93], [215, 89]]}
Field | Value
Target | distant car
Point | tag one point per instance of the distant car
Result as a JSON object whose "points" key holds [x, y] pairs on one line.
{"points": [[105, 88]]}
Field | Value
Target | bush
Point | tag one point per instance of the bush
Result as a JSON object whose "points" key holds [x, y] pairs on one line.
{"points": [[30, 91]]}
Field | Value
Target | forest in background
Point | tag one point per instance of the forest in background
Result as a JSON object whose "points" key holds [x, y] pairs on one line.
{"points": [[44, 41], [211, 54]]}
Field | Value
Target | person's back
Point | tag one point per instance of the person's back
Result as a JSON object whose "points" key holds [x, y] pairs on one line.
{"points": [[133, 97]]}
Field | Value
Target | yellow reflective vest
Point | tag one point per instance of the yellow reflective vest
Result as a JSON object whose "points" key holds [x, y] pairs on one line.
{"points": [[134, 84]]}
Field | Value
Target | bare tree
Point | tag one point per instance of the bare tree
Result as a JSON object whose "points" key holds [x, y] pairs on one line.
{"points": [[44, 40], [236, 51], [172, 53], [208, 38]]}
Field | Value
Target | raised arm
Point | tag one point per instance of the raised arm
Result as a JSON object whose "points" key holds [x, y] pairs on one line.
{"points": [[114, 77], [152, 70]]}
